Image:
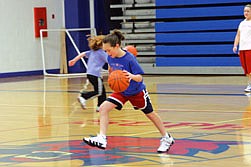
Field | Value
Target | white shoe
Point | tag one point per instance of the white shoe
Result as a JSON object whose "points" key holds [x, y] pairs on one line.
{"points": [[248, 88], [82, 101], [96, 141], [165, 143], [248, 94]]}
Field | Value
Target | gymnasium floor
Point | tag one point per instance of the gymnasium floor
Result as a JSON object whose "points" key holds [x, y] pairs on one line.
{"points": [[42, 124]]}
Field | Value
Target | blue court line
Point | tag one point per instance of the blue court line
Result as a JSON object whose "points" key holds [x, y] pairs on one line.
{"points": [[158, 93]]}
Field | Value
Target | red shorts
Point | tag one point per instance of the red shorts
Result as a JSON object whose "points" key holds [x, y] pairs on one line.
{"points": [[245, 58], [139, 101]]}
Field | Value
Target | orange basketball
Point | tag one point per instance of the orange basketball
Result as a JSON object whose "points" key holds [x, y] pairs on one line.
{"points": [[117, 81], [131, 49]]}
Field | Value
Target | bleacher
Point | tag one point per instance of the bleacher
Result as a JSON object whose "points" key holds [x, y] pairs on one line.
{"points": [[190, 36]]}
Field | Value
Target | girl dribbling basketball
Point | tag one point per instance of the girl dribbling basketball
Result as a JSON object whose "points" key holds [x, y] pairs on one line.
{"points": [[136, 93]]}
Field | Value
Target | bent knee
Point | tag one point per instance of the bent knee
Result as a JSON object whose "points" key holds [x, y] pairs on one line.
{"points": [[106, 106]]}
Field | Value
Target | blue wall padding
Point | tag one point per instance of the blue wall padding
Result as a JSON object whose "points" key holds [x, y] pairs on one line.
{"points": [[195, 37], [196, 2], [199, 12], [197, 32], [171, 50], [207, 25], [74, 18], [77, 16], [197, 61]]}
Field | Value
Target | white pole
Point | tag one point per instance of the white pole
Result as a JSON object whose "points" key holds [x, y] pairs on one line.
{"points": [[42, 49], [92, 16], [63, 14]]}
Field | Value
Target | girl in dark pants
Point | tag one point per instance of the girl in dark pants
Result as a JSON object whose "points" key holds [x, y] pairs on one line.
{"points": [[96, 60], [99, 89]]}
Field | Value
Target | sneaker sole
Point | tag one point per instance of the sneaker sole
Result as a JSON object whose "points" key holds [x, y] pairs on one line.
{"points": [[167, 149], [93, 145]]}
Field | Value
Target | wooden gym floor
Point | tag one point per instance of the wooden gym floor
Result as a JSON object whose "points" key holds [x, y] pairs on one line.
{"points": [[42, 124]]}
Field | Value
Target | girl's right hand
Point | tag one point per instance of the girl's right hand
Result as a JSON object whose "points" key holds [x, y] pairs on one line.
{"points": [[71, 62]]}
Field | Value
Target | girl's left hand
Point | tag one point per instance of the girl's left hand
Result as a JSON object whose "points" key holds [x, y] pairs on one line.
{"points": [[235, 49], [128, 75]]}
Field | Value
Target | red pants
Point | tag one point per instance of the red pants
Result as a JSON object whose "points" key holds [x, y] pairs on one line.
{"points": [[245, 58]]}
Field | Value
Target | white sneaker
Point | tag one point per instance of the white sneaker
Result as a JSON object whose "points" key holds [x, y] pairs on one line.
{"points": [[165, 143], [96, 141], [82, 101], [248, 94], [248, 88]]}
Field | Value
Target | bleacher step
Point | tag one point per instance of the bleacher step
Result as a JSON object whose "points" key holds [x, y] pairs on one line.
{"points": [[147, 36], [141, 30], [146, 59], [146, 53], [114, 6], [138, 25], [133, 17], [143, 41], [138, 1], [137, 28]]}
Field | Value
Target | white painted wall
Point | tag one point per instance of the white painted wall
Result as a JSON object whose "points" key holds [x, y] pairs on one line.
{"points": [[20, 51]]}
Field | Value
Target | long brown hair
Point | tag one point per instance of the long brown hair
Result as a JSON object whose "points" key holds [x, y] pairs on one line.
{"points": [[114, 38], [95, 42]]}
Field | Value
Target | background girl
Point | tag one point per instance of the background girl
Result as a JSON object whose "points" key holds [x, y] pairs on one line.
{"points": [[96, 60], [243, 39]]}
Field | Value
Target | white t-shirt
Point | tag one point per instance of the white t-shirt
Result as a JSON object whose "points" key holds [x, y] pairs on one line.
{"points": [[245, 35]]}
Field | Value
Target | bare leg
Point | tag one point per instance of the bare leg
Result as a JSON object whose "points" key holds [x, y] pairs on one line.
{"points": [[100, 140], [104, 110], [154, 117], [249, 78]]}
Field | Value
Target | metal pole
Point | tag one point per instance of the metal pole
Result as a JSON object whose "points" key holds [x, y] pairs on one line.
{"points": [[92, 16]]}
